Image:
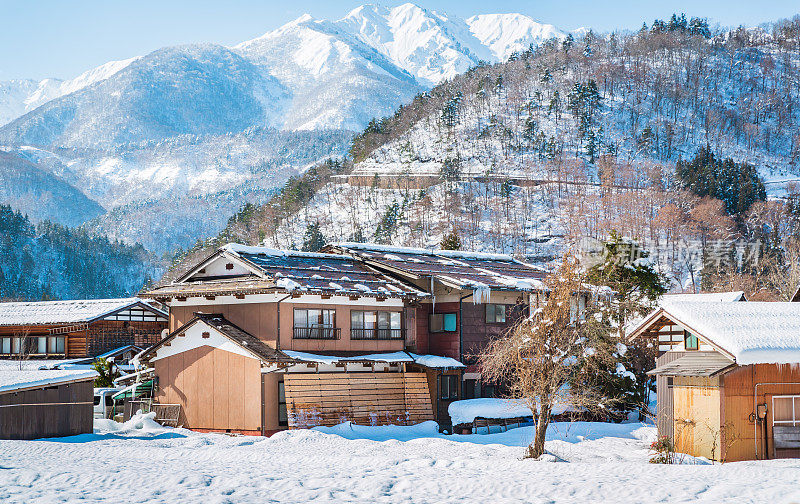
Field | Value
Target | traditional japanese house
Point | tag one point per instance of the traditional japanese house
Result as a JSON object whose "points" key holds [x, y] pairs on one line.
{"points": [[45, 403], [77, 328], [472, 298], [733, 378], [264, 339]]}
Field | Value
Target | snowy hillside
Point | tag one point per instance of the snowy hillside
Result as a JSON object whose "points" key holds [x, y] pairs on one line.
{"points": [[573, 140]]}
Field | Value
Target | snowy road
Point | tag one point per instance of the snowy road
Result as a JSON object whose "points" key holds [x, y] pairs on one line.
{"points": [[607, 463]]}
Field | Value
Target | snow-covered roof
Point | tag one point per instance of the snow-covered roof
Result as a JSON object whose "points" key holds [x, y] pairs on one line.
{"points": [[476, 271], [62, 312], [267, 270], [705, 297], [431, 361], [752, 332], [634, 324], [14, 379]]}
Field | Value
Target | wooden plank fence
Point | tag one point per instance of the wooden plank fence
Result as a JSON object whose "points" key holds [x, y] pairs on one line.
{"points": [[361, 398]]}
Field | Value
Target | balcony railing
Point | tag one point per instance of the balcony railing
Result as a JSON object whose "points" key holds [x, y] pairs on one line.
{"points": [[326, 333], [377, 334]]}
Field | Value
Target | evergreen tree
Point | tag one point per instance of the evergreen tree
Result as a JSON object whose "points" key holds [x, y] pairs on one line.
{"points": [[313, 240], [450, 241], [634, 286], [737, 185]]}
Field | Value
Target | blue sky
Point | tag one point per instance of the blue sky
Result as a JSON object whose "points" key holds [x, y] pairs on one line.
{"points": [[62, 38]]}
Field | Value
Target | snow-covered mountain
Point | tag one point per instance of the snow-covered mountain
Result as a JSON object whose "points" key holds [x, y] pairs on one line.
{"points": [[20, 96], [188, 131], [311, 74]]}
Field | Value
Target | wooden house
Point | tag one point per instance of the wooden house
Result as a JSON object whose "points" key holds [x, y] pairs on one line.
{"points": [[45, 403], [77, 328], [732, 370], [264, 339], [472, 298]]}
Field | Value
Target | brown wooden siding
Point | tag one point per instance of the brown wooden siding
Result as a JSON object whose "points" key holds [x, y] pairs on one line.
{"points": [[106, 335], [259, 319], [216, 389], [738, 399], [362, 398], [443, 343], [477, 333], [47, 412]]}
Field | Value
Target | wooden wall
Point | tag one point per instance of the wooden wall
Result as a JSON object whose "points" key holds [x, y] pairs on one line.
{"points": [[362, 398], [259, 319], [106, 335], [443, 343], [216, 389], [738, 399], [477, 333], [40, 413], [344, 344], [696, 416]]}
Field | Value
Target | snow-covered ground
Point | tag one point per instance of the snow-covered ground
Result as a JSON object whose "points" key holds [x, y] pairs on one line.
{"points": [[604, 463]]}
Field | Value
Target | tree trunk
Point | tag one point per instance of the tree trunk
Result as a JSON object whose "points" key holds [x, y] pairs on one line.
{"points": [[536, 449]]}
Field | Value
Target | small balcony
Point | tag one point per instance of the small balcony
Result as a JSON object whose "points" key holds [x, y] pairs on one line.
{"points": [[377, 334], [317, 333]]}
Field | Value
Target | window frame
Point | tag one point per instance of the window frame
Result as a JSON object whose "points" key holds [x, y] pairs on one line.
{"points": [[492, 307], [688, 336], [282, 404], [444, 323], [378, 318], [452, 388]]}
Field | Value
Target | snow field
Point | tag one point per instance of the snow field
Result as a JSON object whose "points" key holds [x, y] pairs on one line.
{"points": [[142, 462]]}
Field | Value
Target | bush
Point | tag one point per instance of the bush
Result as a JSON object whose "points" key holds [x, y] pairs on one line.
{"points": [[663, 451]]}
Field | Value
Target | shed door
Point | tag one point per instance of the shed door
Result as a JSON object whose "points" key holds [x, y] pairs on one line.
{"points": [[786, 426]]}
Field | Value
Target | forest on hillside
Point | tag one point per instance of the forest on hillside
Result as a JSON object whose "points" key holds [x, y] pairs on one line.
{"points": [[50, 261], [675, 136]]}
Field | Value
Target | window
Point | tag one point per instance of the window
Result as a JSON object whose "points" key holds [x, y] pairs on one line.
{"points": [[448, 387], [470, 387], [690, 341], [495, 314], [41, 345], [283, 417], [5, 345], [315, 324], [376, 324], [55, 344], [442, 322]]}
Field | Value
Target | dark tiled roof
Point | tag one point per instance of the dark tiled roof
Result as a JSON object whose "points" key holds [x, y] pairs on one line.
{"points": [[465, 270], [327, 273], [695, 364]]}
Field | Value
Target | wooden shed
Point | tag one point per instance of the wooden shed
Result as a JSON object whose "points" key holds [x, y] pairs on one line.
{"points": [[45, 403], [733, 379]]}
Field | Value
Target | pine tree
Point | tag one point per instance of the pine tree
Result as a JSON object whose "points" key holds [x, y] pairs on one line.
{"points": [[313, 240], [450, 241]]}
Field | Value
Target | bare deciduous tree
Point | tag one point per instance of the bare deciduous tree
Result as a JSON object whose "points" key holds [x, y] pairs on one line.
{"points": [[549, 360]]}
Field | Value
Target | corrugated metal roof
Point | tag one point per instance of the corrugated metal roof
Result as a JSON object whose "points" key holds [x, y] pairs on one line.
{"points": [[695, 364], [62, 312]]}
